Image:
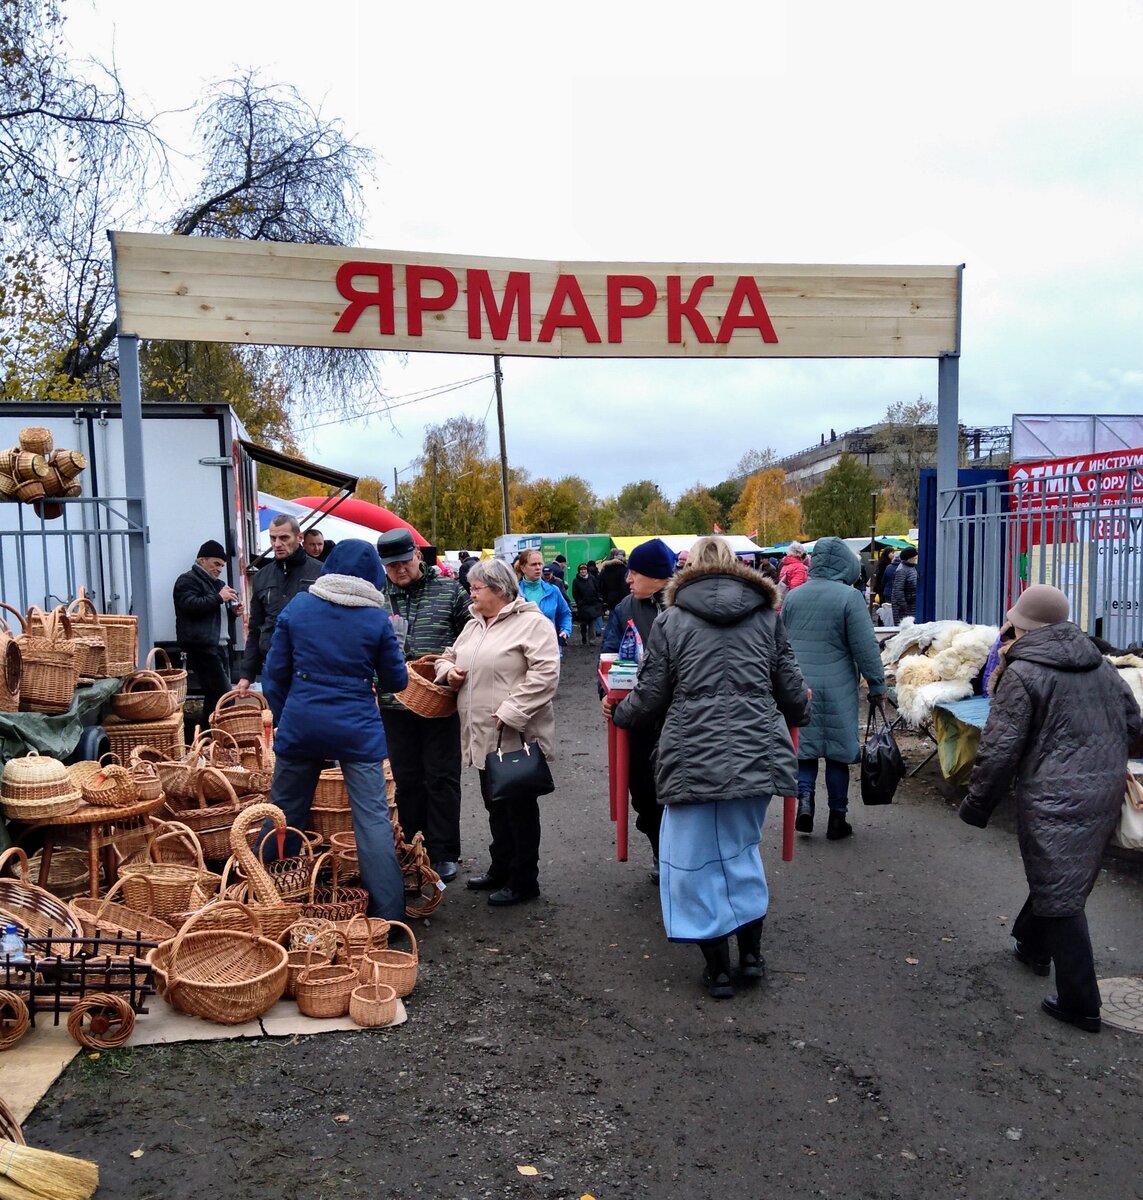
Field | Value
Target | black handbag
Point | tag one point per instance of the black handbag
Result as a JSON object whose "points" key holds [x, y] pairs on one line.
{"points": [[517, 774], [882, 767]]}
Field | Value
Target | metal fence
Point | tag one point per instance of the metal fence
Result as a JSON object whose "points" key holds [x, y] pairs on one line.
{"points": [[44, 561], [1081, 531]]}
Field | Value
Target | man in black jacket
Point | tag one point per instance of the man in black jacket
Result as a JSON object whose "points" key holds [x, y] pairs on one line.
{"points": [[613, 580], [275, 585], [199, 596], [649, 570]]}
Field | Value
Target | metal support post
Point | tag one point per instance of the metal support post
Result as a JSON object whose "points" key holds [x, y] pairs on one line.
{"points": [[131, 399]]}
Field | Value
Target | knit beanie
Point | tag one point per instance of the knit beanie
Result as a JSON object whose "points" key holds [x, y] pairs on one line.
{"points": [[908, 554], [211, 549], [653, 559]]}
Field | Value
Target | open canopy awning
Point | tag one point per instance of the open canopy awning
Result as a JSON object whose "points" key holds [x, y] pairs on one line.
{"points": [[300, 466]]}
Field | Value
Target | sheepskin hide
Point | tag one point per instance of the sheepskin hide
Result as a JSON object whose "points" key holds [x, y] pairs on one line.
{"points": [[914, 670], [938, 634], [966, 653], [916, 703], [1130, 668]]}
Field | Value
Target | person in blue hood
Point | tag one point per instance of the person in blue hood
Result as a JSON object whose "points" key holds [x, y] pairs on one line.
{"points": [[328, 646]]}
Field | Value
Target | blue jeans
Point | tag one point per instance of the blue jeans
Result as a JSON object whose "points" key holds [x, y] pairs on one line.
{"points": [[836, 778], [293, 793]]}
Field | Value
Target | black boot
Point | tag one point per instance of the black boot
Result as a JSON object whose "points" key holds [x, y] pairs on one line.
{"points": [[804, 821], [838, 827], [751, 964], [717, 977]]}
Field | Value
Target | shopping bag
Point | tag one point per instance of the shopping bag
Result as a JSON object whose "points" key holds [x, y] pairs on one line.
{"points": [[882, 767], [1129, 832], [517, 774]]}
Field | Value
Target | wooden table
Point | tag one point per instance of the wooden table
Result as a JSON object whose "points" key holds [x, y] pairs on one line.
{"points": [[104, 831]]}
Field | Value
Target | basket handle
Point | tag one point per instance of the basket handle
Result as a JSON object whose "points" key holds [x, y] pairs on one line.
{"points": [[116, 886], [411, 936], [232, 795], [306, 850], [18, 615], [212, 735], [79, 603], [319, 862], [153, 681], [209, 910], [157, 650], [17, 855], [236, 697], [178, 829]]}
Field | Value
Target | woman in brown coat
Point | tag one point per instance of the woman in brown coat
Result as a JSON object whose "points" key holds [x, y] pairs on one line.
{"points": [[505, 668]]}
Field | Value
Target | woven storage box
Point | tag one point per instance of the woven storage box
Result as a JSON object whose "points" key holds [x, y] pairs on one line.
{"points": [[424, 695], [37, 788], [174, 677], [223, 975], [165, 735]]}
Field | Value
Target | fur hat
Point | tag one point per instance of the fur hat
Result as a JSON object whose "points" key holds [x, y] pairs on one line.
{"points": [[653, 559], [211, 549], [1039, 605]]}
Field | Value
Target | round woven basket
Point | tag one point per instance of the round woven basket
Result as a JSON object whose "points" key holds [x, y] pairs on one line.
{"points": [[37, 788], [36, 439], [323, 989], [111, 918], [25, 904], [174, 677], [424, 695], [372, 1005], [144, 697], [240, 716], [397, 968], [10, 1129]]}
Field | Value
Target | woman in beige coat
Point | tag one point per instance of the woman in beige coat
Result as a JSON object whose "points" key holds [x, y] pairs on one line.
{"points": [[505, 668]]}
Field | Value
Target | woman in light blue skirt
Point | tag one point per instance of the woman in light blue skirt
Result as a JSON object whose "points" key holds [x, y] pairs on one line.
{"points": [[719, 670]]}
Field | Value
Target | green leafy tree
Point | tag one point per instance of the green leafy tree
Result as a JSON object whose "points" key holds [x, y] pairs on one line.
{"points": [[909, 436], [457, 472], [697, 511], [726, 495], [841, 504]]}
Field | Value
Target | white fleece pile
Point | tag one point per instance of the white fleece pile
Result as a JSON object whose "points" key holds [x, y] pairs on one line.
{"points": [[347, 590]]}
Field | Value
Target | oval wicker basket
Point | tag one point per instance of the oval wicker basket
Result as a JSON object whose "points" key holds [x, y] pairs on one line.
{"points": [[174, 677], [372, 1005], [211, 822], [36, 439], [333, 901], [397, 968], [223, 975], [164, 889], [148, 785], [37, 788], [362, 933], [111, 918], [11, 668], [49, 672], [14, 1022], [69, 463], [424, 695], [323, 989], [10, 1129], [240, 716], [144, 697], [33, 908]]}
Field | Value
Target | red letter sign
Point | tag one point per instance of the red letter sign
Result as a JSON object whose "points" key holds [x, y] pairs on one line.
{"points": [[360, 301], [617, 310], [419, 304], [517, 295], [677, 308], [746, 290], [567, 288]]}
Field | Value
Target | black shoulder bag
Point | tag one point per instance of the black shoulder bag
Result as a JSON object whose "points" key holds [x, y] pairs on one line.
{"points": [[882, 767], [517, 774]]}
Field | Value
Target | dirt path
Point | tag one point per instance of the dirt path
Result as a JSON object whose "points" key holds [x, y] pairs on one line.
{"points": [[896, 1049]]}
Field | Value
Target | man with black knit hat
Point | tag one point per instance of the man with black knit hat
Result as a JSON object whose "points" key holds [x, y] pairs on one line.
{"points": [[200, 596], [650, 567]]}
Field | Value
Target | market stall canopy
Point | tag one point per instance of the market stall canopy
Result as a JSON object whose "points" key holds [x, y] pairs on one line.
{"points": [[334, 528], [678, 542]]}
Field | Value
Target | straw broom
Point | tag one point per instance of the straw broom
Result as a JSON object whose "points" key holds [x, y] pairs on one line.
{"points": [[30, 1174]]}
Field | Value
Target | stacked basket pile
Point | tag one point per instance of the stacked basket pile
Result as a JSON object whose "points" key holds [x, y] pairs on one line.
{"points": [[35, 473]]}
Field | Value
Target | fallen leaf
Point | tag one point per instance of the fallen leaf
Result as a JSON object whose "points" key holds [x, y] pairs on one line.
{"points": [[527, 1170], [832, 1100], [342, 1117], [912, 961], [137, 1153], [909, 1155], [94, 1056], [587, 1196], [948, 939]]}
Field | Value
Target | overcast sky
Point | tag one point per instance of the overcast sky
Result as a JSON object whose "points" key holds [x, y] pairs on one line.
{"points": [[1006, 135]]}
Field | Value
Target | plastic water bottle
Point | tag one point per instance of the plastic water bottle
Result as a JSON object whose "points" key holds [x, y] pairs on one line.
{"points": [[630, 644], [12, 945]]}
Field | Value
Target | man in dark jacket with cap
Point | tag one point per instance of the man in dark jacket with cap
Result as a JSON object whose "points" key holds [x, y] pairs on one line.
{"points": [[1060, 726], [649, 569], [428, 611], [276, 584], [200, 596]]}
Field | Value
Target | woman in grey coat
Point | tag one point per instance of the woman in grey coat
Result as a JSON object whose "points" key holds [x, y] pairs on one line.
{"points": [[828, 625], [1060, 725], [718, 665]]}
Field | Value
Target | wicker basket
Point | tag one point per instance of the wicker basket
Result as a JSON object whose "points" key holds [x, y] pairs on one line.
{"points": [[372, 1005], [9, 1127], [323, 989], [88, 632], [240, 716], [29, 467], [14, 1022], [112, 918], [397, 968], [144, 697], [69, 873], [110, 787], [36, 439], [422, 893], [164, 889], [330, 791], [30, 907], [165, 736], [211, 822], [328, 821], [343, 847], [121, 635], [11, 668], [37, 788], [361, 934], [333, 901], [309, 943], [69, 463], [49, 673], [424, 695], [292, 874], [257, 879], [148, 785], [174, 677], [224, 754], [222, 975]]}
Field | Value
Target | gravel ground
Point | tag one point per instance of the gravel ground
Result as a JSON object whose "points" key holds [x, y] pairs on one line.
{"points": [[896, 1049]]}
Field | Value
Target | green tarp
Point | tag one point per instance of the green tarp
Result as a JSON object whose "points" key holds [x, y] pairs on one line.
{"points": [[57, 736]]}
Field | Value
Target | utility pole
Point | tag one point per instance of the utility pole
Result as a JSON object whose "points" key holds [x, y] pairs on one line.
{"points": [[434, 460], [503, 444], [872, 545], [393, 504]]}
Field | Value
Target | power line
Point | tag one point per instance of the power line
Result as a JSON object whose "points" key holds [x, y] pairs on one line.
{"points": [[393, 402]]}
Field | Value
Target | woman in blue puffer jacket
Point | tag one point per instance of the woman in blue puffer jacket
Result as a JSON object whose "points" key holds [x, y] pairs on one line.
{"points": [[546, 597], [329, 645]]}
